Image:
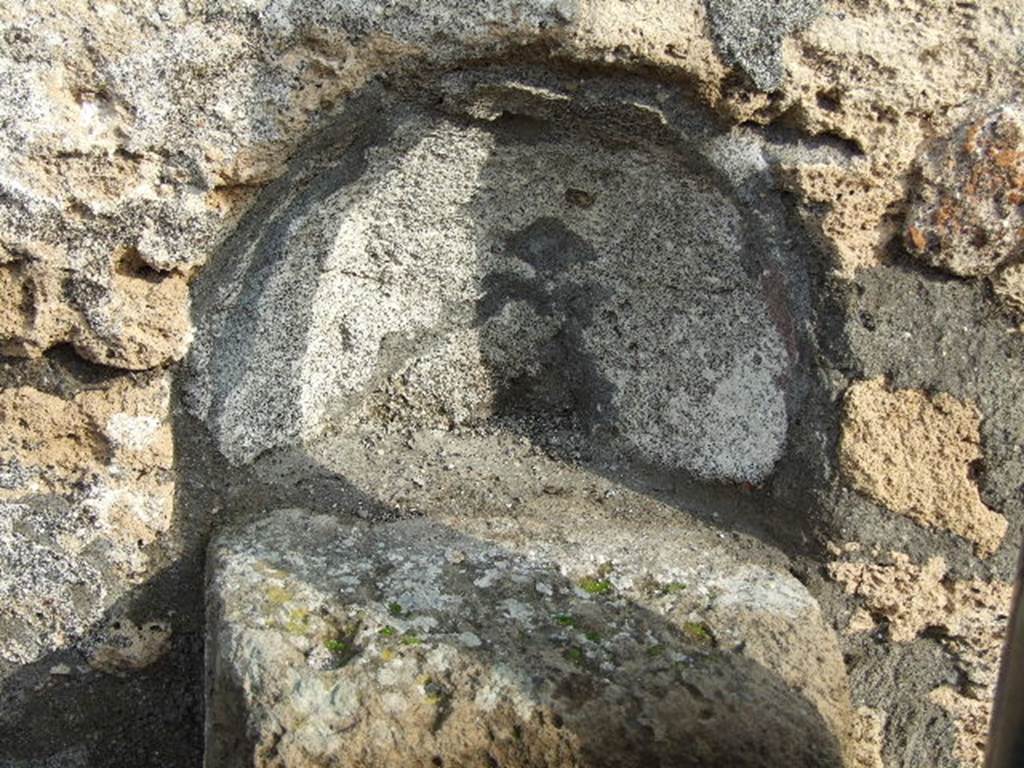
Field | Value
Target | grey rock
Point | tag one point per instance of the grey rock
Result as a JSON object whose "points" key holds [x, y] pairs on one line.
{"points": [[669, 657], [749, 33], [52, 592]]}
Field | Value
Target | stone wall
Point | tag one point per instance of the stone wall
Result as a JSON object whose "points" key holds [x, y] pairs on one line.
{"points": [[770, 255]]}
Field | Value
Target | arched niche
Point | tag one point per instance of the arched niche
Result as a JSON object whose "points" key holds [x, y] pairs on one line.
{"points": [[496, 242]]}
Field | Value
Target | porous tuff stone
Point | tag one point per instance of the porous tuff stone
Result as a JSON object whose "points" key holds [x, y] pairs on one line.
{"points": [[448, 271], [913, 453], [408, 642], [124, 314], [123, 646], [86, 487], [911, 598]]}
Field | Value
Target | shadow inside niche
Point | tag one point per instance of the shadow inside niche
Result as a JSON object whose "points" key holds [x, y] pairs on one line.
{"points": [[562, 379], [59, 712], [604, 284], [593, 274]]}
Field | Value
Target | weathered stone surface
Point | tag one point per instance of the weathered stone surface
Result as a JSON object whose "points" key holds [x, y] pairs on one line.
{"points": [[880, 78], [406, 642], [134, 135], [85, 487], [131, 316], [145, 128], [847, 207], [455, 271], [1008, 285], [132, 127], [440, 644], [914, 453], [968, 212], [868, 736], [972, 718], [912, 598], [972, 615]]}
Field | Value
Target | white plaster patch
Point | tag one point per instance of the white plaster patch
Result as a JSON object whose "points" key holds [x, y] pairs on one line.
{"points": [[752, 588], [132, 432]]}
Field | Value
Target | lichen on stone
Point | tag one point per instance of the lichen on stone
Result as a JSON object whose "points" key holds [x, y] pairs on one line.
{"points": [[968, 210]]}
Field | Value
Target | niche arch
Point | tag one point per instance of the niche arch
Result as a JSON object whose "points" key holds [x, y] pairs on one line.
{"points": [[501, 242]]}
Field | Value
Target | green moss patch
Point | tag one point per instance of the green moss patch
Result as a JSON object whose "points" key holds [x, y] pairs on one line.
{"points": [[699, 631], [595, 586]]}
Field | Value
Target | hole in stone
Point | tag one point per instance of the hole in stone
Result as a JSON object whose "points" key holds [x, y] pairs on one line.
{"points": [[130, 264], [828, 101], [935, 632]]}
